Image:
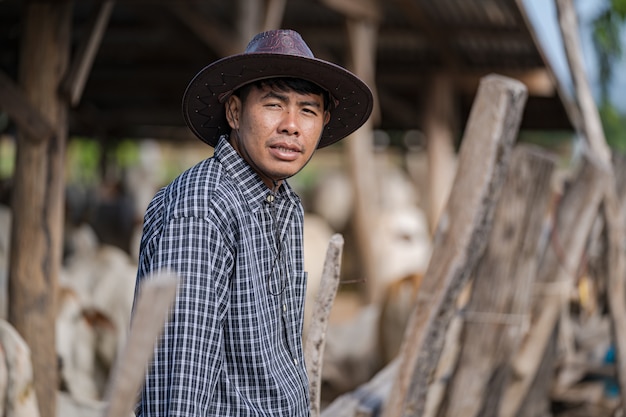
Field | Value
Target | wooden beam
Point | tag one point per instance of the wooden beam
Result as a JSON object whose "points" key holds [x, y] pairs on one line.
{"points": [[220, 38], [26, 116], [356, 9], [74, 82], [460, 238], [537, 80], [438, 39]]}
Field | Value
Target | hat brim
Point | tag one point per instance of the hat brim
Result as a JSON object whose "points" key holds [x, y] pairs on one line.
{"points": [[204, 111]]}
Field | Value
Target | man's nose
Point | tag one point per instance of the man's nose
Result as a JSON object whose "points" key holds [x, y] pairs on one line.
{"points": [[289, 122]]}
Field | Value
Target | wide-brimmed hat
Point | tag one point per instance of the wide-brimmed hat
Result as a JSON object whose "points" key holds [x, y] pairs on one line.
{"points": [[276, 53]]}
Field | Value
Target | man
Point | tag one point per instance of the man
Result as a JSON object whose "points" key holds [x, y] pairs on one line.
{"points": [[231, 228]]}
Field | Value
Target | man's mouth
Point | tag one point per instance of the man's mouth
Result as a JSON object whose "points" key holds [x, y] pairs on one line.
{"points": [[285, 152], [285, 149]]}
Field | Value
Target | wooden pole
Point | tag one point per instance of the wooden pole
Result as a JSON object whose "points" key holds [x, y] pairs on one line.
{"points": [[38, 199], [359, 148], [249, 20], [439, 127], [591, 124], [274, 13], [460, 238]]}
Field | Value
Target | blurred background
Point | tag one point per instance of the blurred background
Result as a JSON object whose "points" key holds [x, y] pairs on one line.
{"points": [[130, 62]]}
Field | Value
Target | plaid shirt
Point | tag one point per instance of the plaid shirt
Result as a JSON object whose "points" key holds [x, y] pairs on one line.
{"points": [[232, 345]]}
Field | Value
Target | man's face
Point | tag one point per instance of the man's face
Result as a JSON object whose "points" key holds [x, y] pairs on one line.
{"points": [[275, 131]]}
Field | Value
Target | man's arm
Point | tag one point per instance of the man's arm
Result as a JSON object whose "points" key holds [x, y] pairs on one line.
{"points": [[187, 361]]}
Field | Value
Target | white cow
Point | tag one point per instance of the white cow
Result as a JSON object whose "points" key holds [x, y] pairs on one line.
{"points": [[17, 397], [76, 343], [98, 283], [357, 347]]}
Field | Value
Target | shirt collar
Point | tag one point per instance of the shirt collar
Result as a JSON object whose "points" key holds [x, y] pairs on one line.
{"points": [[253, 188]]}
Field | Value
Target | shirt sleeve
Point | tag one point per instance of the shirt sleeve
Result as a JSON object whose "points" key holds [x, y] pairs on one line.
{"points": [[187, 359]]}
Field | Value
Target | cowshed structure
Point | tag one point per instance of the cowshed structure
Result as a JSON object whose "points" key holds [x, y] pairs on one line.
{"points": [[111, 70]]}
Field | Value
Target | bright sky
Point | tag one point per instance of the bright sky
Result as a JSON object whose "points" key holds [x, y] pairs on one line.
{"points": [[542, 14]]}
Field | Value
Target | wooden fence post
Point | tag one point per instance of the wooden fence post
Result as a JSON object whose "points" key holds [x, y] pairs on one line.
{"points": [[460, 238], [316, 339], [38, 198]]}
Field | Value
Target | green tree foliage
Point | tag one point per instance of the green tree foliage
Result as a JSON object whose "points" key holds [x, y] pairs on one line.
{"points": [[614, 125], [606, 37]]}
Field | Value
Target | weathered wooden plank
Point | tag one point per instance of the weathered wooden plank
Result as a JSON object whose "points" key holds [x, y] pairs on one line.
{"points": [[155, 297], [76, 78], [574, 217], [499, 308], [38, 194], [460, 239], [26, 116], [316, 339]]}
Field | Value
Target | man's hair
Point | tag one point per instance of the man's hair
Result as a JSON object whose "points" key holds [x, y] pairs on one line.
{"points": [[298, 85]]}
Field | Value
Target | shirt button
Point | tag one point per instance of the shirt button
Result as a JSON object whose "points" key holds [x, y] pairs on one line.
{"points": [[270, 198], [284, 307], [295, 362]]}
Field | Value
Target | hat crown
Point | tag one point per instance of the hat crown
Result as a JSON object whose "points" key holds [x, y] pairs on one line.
{"points": [[283, 42]]}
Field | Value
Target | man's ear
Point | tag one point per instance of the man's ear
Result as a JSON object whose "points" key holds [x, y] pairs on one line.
{"points": [[233, 110], [326, 117]]}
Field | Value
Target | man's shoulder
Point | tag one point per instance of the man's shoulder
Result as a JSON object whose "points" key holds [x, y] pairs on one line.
{"points": [[192, 188]]}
